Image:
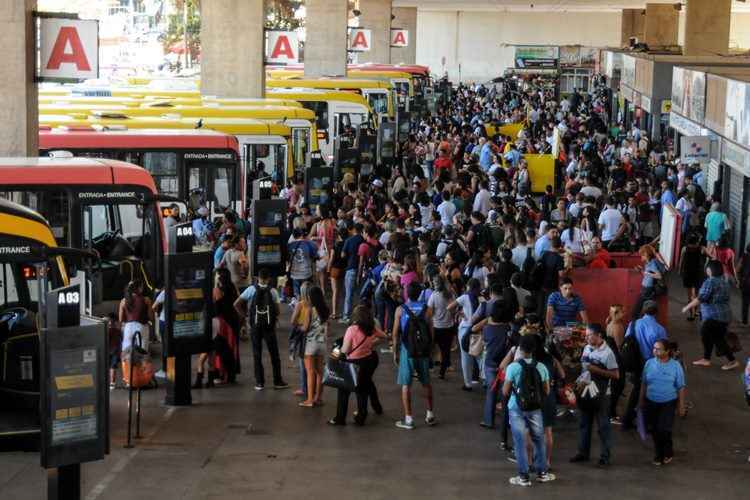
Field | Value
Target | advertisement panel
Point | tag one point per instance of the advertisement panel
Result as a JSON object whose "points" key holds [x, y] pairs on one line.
{"points": [[695, 149], [697, 95], [536, 56], [737, 116], [68, 49], [628, 71]]}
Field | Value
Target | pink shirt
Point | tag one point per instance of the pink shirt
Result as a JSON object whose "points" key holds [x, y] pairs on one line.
{"points": [[406, 280], [355, 337]]}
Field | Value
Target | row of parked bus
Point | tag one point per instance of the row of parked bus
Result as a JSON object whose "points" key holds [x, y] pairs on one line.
{"points": [[109, 157]]}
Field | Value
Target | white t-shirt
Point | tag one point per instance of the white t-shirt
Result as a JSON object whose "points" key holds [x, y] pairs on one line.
{"points": [[574, 241], [465, 302], [482, 202], [591, 191], [519, 255], [446, 210], [610, 220]]}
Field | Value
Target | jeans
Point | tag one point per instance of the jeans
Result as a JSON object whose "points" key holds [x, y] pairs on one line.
{"points": [[350, 285], [586, 426], [257, 337], [659, 420], [297, 285], [467, 360], [366, 391], [522, 422], [714, 334], [490, 400], [628, 418]]}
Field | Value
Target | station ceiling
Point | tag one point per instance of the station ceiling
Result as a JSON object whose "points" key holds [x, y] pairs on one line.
{"points": [[543, 5]]}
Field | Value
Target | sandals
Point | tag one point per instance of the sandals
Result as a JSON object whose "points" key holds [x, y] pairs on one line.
{"points": [[305, 404]]}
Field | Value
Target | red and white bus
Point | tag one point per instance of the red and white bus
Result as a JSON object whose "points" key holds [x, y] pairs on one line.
{"points": [[202, 163], [108, 206]]}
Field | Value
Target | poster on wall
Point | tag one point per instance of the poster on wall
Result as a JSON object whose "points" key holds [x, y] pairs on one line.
{"points": [[695, 149], [737, 117], [628, 71], [536, 56], [697, 86], [678, 92]]}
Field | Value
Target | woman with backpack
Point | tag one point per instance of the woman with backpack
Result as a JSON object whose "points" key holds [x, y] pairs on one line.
{"points": [[358, 347], [442, 320], [315, 326]]}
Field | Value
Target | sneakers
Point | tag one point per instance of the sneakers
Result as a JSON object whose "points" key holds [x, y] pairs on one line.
{"points": [[520, 481], [702, 362], [730, 366], [280, 385], [344, 320], [603, 462], [403, 424], [545, 477], [259, 387], [615, 421], [160, 374], [430, 420], [512, 457]]}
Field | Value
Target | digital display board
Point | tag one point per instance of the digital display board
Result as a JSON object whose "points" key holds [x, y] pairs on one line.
{"points": [[189, 302], [269, 237], [73, 394], [318, 185]]}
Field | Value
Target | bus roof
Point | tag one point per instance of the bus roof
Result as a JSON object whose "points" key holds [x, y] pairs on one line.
{"points": [[355, 74], [20, 221], [328, 83], [312, 94], [155, 101], [60, 138], [200, 110], [413, 69], [247, 126], [77, 171]]}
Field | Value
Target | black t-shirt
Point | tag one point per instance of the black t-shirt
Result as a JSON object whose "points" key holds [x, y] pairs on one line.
{"points": [[552, 263]]}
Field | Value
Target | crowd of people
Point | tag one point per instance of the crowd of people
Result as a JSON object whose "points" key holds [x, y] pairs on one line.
{"points": [[455, 259]]}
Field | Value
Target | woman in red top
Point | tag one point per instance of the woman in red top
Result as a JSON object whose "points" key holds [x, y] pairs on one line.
{"points": [[724, 254], [357, 347]]}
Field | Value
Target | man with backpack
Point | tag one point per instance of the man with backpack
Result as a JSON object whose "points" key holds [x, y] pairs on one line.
{"points": [[526, 385], [644, 331], [260, 303], [599, 366], [302, 256], [412, 341]]}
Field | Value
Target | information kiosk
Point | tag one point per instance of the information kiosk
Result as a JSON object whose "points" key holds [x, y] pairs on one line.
{"points": [[268, 242], [187, 310], [387, 134], [74, 397], [318, 186]]}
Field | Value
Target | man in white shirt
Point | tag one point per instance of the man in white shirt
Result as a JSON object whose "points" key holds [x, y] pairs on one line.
{"points": [[609, 221], [482, 201], [589, 189], [446, 209]]}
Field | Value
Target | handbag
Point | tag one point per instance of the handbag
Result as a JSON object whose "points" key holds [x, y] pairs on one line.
{"points": [[340, 373], [476, 344]]}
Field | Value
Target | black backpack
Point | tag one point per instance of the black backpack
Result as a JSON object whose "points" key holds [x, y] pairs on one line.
{"points": [[530, 392], [483, 238], [527, 268], [630, 351], [418, 339], [372, 260], [262, 309]]}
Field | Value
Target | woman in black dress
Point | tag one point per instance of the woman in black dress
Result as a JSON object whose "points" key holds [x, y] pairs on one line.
{"points": [[691, 268]]}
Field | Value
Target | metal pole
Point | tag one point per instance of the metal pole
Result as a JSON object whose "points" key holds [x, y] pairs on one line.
{"points": [[185, 32]]}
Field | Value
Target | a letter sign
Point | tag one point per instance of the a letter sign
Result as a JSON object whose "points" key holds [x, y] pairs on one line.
{"points": [[360, 40], [399, 37], [282, 47], [68, 47]]}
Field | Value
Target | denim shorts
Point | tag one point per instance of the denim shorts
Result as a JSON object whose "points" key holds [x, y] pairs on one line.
{"points": [[407, 366]]}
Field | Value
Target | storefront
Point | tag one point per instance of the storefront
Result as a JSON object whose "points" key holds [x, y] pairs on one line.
{"points": [[576, 68], [736, 164]]}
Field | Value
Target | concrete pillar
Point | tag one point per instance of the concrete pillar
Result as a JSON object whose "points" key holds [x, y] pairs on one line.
{"points": [[326, 37], [707, 27], [405, 18], [633, 25], [232, 48], [19, 108], [376, 16], [662, 25]]}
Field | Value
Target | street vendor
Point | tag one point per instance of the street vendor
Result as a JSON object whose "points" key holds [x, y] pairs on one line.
{"points": [[564, 306]]}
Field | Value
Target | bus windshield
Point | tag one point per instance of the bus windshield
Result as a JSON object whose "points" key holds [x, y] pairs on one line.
{"points": [[264, 160], [378, 102], [320, 108]]}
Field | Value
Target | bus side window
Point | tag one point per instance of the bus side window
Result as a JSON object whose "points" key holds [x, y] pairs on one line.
{"points": [[163, 168], [8, 285]]}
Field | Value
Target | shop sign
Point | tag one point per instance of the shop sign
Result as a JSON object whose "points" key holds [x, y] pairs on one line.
{"points": [[399, 37], [536, 56], [360, 40], [282, 47], [683, 125], [695, 149], [736, 157], [68, 48], [666, 106]]}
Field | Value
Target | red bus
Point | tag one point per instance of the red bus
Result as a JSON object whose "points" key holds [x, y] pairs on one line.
{"points": [[192, 165], [108, 206]]}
